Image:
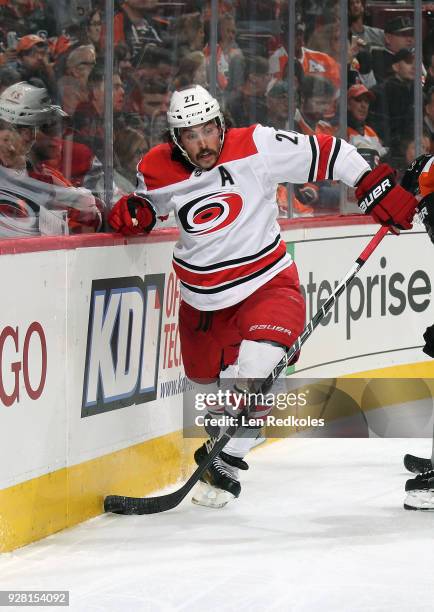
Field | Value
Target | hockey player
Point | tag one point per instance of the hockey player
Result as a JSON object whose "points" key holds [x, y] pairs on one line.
{"points": [[419, 179], [241, 303], [28, 109]]}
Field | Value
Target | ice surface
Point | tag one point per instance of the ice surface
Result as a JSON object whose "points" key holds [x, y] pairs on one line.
{"points": [[319, 526]]}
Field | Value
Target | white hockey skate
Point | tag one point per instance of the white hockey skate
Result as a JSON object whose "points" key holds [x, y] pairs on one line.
{"points": [[211, 497], [219, 484], [420, 492]]}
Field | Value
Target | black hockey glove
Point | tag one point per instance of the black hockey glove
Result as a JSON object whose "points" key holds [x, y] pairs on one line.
{"points": [[426, 214], [429, 339], [410, 178], [410, 181]]}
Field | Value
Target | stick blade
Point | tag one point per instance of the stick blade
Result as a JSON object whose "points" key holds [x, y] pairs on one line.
{"points": [[120, 504]]}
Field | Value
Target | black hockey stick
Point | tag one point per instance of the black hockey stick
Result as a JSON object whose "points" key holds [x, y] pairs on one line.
{"points": [[121, 504]]}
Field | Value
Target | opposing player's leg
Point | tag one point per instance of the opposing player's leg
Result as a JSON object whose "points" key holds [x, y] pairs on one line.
{"points": [[419, 465]]}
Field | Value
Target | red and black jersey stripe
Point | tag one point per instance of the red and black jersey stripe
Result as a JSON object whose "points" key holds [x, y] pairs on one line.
{"points": [[325, 150], [225, 275]]}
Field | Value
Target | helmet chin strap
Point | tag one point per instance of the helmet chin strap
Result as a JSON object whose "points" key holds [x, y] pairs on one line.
{"points": [[219, 122]]}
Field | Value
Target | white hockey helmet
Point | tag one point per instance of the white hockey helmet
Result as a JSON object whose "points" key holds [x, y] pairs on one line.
{"points": [[193, 106], [25, 104]]}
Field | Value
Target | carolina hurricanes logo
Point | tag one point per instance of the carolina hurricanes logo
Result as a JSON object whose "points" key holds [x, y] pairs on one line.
{"points": [[210, 213]]}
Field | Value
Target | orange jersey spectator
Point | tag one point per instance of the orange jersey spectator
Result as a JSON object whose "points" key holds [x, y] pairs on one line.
{"points": [[316, 97], [369, 137], [314, 63], [222, 66], [228, 52]]}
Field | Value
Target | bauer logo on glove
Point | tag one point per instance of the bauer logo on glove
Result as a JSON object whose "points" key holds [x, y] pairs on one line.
{"points": [[388, 203], [375, 195]]}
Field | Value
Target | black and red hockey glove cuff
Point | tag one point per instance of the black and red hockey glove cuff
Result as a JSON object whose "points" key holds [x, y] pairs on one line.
{"points": [[132, 215], [388, 203], [141, 210], [429, 339]]}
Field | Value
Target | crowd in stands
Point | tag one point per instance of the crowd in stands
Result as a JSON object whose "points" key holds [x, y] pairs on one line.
{"points": [[52, 54]]}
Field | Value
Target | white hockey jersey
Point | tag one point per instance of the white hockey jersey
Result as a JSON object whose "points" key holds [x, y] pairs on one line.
{"points": [[227, 217]]}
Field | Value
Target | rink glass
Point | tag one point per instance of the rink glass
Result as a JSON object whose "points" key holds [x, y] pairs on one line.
{"points": [[239, 49]]}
